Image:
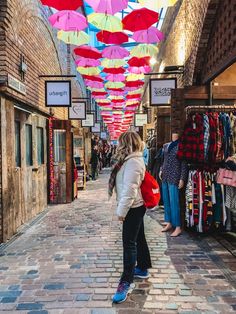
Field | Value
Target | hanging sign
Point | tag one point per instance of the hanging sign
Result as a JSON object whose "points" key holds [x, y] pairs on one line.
{"points": [[140, 119], [77, 111], [89, 122], [58, 93], [96, 128], [160, 91]]}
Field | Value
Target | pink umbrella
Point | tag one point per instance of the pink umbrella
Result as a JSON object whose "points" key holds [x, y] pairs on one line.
{"points": [[114, 93], [115, 52], [148, 36], [139, 70], [108, 6], [115, 77], [94, 84], [67, 20], [84, 62], [100, 97]]}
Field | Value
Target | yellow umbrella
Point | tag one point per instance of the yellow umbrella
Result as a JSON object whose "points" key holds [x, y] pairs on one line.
{"points": [[105, 22], [144, 50], [114, 85], [89, 70], [115, 63], [116, 97], [134, 77], [136, 91], [93, 89], [74, 38], [103, 101], [156, 5]]}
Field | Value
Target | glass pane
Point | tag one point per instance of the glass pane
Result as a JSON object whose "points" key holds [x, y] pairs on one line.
{"points": [[17, 144], [59, 145], [29, 145], [40, 146]]}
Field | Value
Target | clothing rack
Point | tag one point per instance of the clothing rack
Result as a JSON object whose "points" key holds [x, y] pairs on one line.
{"points": [[218, 108]]}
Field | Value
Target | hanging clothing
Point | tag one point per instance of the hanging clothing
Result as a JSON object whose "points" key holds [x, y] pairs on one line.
{"points": [[233, 134]]}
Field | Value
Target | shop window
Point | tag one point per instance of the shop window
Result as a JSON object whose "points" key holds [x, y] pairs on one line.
{"points": [[29, 145], [40, 146], [17, 144], [59, 142]]}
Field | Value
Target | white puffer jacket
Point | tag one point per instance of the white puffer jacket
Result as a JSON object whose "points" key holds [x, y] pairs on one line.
{"points": [[128, 182]]}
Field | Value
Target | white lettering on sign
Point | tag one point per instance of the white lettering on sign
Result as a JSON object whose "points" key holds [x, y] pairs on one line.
{"points": [[58, 93], [16, 84]]}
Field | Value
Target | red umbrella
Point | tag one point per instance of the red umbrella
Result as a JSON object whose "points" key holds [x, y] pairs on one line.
{"points": [[116, 101], [139, 62], [88, 52], [116, 38], [114, 70], [134, 96], [134, 83], [116, 89], [140, 19], [93, 78], [99, 94], [63, 5]]}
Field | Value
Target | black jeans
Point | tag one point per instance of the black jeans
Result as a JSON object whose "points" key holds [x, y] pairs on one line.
{"points": [[135, 248]]}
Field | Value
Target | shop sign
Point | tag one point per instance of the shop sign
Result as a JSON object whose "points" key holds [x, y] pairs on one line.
{"points": [[16, 84], [140, 119], [89, 122], [103, 135], [58, 93], [77, 111], [160, 91], [96, 128]]}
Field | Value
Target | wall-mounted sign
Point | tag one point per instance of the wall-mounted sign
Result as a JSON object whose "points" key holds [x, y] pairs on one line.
{"points": [[96, 128], [160, 91], [89, 122], [16, 84], [58, 93], [77, 111], [140, 119]]}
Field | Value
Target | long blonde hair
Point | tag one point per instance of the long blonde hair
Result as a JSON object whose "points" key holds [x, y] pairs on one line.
{"points": [[129, 142]]}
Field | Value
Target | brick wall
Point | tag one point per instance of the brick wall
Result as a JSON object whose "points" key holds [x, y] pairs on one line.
{"points": [[24, 30]]}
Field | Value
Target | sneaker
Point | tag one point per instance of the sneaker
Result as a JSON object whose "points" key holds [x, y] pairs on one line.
{"points": [[122, 292], [143, 274]]}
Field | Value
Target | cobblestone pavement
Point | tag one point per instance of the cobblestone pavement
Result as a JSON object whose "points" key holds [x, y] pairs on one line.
{"points": [[69, 262]]}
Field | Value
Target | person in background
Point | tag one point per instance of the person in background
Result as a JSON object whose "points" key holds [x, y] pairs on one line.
{"points": [[127, 176], [94, 161], [230, 192], [174, 174], [145, 154]]}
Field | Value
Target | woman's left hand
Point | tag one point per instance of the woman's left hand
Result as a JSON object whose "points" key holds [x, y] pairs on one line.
{"points": [[121, 219]]}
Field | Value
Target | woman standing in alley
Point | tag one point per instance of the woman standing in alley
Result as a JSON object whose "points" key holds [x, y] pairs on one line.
{"points": [[127, 176]]}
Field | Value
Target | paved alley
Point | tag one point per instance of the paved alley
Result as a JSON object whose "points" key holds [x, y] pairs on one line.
{"points": [[70, 259]]}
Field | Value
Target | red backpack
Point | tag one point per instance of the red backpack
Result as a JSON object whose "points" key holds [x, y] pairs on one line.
{"points": [[150, 191]]}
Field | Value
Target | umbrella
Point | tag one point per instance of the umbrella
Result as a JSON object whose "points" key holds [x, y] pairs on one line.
{"points": [[158, 4], [117, 100], [108, 6], [99, 93], [140, 19], [89, 70], [95, 78], [68, 21], [114, 70], [144, 50], [114, 85], [116, 38], [105, 22], [74, 38], [93, 84], [139, 62], [139, 70], [116, 97], [116, 63], [134, 84], [94, 89], [115, 52], [103, 101], [115, 77], [136, 91], [84, 62], [100, 97], [148, 36], [134, 96], [88, 52], [115, 89], [63, 5], [135, 77], [114, 93]]}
